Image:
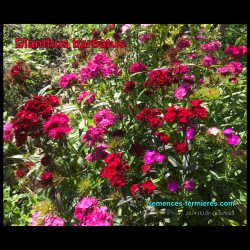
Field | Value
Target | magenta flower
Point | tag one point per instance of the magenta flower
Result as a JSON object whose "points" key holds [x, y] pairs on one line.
{"points": [[183, 43], [7, 132], [192, 55], [235, 67], [89, 95], [180, 93], [152, 156], [227, 131], [211, 46], [173, 186], [104, 118], [190, 133], [67, 79], [232, 139], [53, 221], [207, 61], [98, 154], [189, 185], [223, 70], [93, 135]]}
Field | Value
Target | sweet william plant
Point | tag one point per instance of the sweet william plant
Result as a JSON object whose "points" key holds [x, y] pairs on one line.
{"points": [[126, 127]]}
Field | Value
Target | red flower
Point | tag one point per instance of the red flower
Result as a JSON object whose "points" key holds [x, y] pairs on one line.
{"points": [[184, 115], [155, 122], [45, 160], [47, 175], [200, 112], [145, 168], [108, 172], [195, 103], [129, 86], [114, 169], [136, 149], [170, 114], [148, 186], [28, 164], [164, 139], [119, 132], [19, 173], [118, 180], [180, 147], [158, 78], [134, 188]]}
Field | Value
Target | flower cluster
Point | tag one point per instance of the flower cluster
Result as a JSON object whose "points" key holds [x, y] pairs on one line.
{"points": [[180, 147], [137, 67], [28, 121], [165, 77], [145, 37], [210, 46], [233, 67], [57, 126], [207, 61], [89, 96], [235, 51], [67, 80], [183, 115], [231, 138], [146, 187], [104, 118], [182, 90], [183, 43], [93, 135], [7, 132], [99, 65], [114, 169], [89, 214], [150, 116], [152, 156]]}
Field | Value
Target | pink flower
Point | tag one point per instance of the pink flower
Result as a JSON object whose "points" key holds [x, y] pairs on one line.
{"points": [[33, 220], [57, 126], [93, 135], [145, 37], [7, 132], [232, 139], [190, 133], [180, 93], [88, 214], [223, 70], [99, 65], [188, 79], [67, 79], [213, 131], [235, 67], [207, 61], [89, 95], [227, 131], [152, 156], [189, 185], [173, 186], [53, 221], [125, 28], [211, 46], [104, 118]]}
